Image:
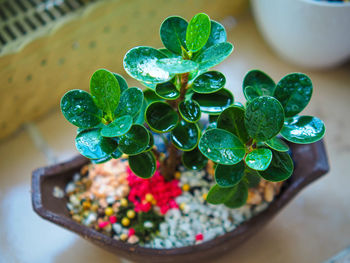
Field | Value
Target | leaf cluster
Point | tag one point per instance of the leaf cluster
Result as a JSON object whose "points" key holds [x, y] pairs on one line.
{"points": [[180, 89]]}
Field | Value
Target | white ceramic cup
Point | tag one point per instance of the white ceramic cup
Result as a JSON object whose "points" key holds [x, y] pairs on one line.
{"points": [[308, 33]]}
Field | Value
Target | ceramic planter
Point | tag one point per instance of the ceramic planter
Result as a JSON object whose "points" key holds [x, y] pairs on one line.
{"points": [[308, 33], [310, 164]]}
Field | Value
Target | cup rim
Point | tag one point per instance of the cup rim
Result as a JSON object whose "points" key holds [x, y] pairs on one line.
{"points": [[326, 3]]}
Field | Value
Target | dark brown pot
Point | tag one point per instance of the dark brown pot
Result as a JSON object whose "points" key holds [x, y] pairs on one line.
{"points": [[310, 164]]}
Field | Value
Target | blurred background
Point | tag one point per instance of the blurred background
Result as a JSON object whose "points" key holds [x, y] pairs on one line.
{"points": [[50, 46]]}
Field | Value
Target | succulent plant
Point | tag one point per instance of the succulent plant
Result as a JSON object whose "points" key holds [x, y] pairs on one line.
{"points": [[180, 90]]}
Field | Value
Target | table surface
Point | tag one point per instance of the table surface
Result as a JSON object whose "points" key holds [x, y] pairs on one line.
{"points": [[312, 228]]}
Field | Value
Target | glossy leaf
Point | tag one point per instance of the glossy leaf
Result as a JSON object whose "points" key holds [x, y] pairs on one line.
{"points": [[140, 117], [252, 177], [232, 120], [130, 102], [264, 118], [259, 159], [209, 82], [214, 103], [79, 109], [173, 33], [221, 147], [134, 141], [294, 91], [92, 145], [238, 196], [161, 117], [118, 127], [177, 65], [214, 55], [168, 53], [257, 83], [194, 160], [277, 144], [198, 31], [190, 110], [303, 129], [102, 160], [105, 91], [123, 85], [167, 91], [185, 136], [116, 154], [143, 165], [218, 195], [151, 141], [280, 169], [150, 96], [229, 175], [141, 64], [217, 34]]}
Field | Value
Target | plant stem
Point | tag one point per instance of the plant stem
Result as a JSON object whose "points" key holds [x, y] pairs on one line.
{"points": [[168, 167]]}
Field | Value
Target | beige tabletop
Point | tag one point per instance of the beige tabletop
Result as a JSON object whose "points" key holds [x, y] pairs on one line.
{"points": [[312, 228]]}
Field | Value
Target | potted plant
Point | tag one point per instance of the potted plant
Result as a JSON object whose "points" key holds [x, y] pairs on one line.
{"points": [[150, 204]]}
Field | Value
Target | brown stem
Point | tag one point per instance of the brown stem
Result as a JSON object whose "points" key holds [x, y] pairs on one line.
{"points": [[169, 165]]}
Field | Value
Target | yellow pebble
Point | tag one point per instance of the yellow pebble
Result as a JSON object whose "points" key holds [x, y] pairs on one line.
{"points": [[182, 206], [177, 175], [131, 214], [123, 237], [186, 187], [109, 211], [205, 196], [125, 221], [149, 197], [86, 205], [124, 202]]}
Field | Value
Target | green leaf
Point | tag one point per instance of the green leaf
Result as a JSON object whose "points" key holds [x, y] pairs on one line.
{"points": [[257, 83], [177, 65], [151, 141], [79, 109], [143, 165], [168, 53], [167, 91], [116, 154], [218, 195], [123, 85], [303, 129], [161, 117], [229, 175], [294, 91], [140, 117], [118, 127], [173, 33], [213, 55], [277, 144], [232, 120], [264, 118], [92, 145], [259, 159], [217, 34], [130, 102], [198, 31], [280, 169], [185, 136], [221, 147], [101, 160], [105, 91], [214, 103], [238, 197], [150, 96], [209, 82], [252, 177], [194, 160], [141, 64], [134, 141], [190, 110]]}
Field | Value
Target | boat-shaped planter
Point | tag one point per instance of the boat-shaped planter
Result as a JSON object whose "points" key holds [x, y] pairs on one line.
{"points": [[310, 164]]}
